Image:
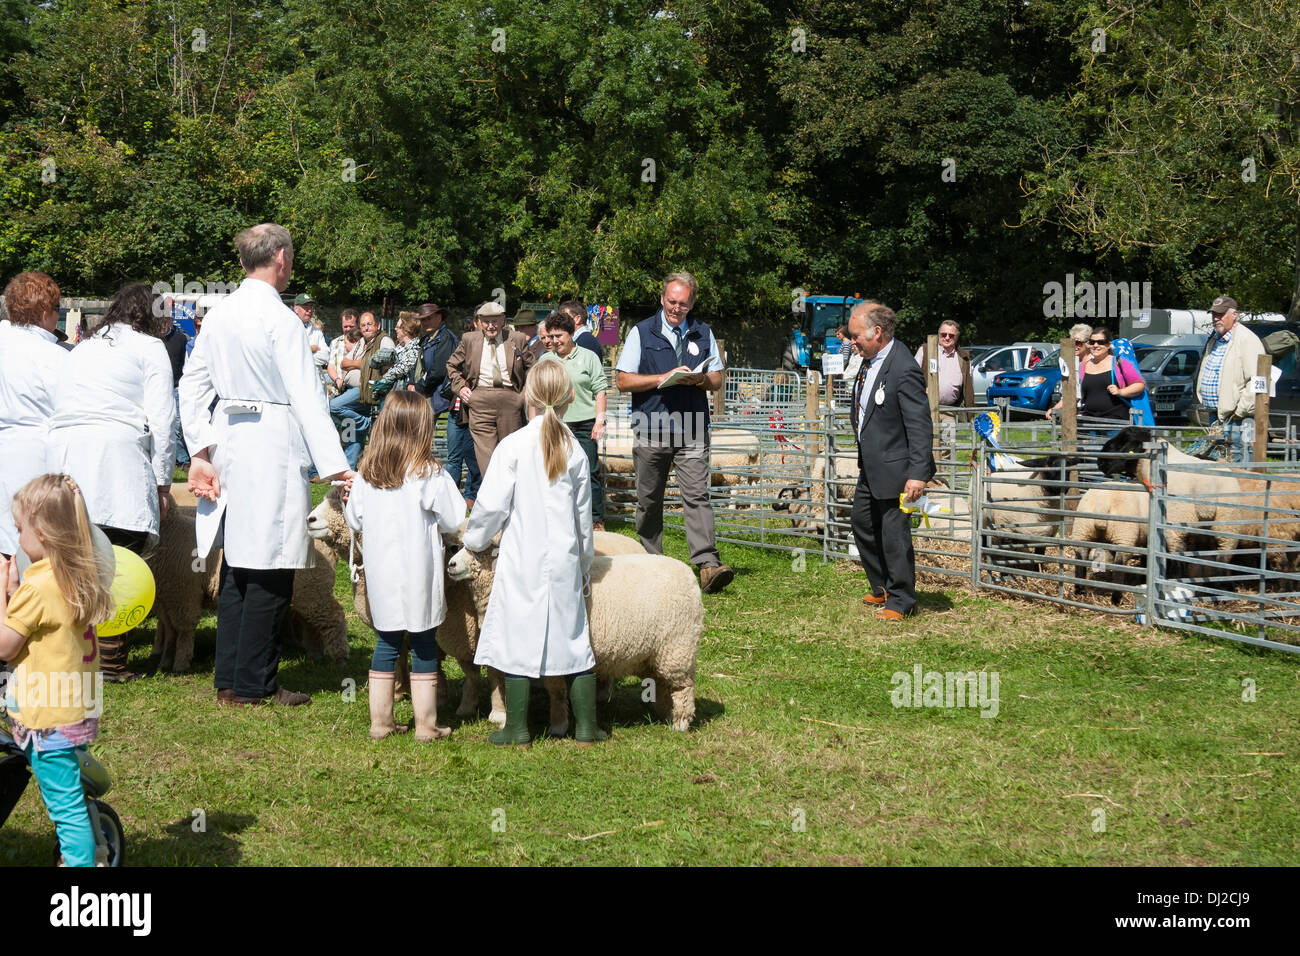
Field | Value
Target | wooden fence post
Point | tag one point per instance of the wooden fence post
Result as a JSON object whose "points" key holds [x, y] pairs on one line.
{"points": [[1070, 397], [812, 392], [1263, 367]]}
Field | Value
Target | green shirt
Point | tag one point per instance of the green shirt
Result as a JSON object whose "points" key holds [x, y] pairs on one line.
{"points": [[588, 377]]}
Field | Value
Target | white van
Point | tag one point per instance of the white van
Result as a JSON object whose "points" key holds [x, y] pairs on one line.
{"points": [[1180, 322]]}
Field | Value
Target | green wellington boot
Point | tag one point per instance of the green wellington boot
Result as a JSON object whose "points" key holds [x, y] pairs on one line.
{"points": [[515, 732], [582, 695]]}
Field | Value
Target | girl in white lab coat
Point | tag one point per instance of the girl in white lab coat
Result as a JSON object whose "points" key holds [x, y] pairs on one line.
{"points": [[402, 501], [538, 487]]}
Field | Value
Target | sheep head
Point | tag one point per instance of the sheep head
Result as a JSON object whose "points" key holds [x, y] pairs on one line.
{"points": [[1130, 441], [479, 569], [327, 524]]}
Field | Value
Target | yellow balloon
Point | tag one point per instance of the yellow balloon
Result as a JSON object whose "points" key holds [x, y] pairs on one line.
{"points": [[133, 593]]}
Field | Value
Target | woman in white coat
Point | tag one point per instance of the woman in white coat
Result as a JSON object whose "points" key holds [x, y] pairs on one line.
{"points": [[113, 431], [538, 488], [30, 361], [254, 418]]}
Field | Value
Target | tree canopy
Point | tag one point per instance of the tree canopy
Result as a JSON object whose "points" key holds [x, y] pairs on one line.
{"points": [[949, 157]]}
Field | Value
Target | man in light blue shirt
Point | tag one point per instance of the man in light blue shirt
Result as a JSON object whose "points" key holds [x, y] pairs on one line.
{"points": [[671, 425]]}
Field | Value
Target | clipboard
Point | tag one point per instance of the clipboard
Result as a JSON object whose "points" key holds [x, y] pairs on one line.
{"points": [[678, 376]]}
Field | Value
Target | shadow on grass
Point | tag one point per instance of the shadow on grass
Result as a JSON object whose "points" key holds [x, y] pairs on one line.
{"points": [[215, 846]]}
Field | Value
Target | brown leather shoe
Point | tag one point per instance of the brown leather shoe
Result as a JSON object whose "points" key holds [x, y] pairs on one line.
{"points": [[889, 614], [874, 599], [598, 526], [289, 698], [714, 579], [224, 697], [247, 701]]}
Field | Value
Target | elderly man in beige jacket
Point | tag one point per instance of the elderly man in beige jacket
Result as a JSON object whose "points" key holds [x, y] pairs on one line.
{"points": [[1227, 368]]}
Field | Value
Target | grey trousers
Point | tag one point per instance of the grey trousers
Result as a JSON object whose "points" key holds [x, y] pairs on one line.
{"points": [[652, 464]]}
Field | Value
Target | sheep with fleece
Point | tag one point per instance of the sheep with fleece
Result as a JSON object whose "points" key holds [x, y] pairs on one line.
{"points": [[184, 586], [645, 618], [1014, 506], [1225, 512], [1109, 516]]}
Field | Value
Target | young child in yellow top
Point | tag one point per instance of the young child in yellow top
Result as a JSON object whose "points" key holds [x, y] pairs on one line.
{"points": [[49, 635]]}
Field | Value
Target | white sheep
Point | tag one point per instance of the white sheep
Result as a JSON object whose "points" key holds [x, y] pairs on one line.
{"points": [[645, 618], [1123, 522], [185, 585], [1024, 509]]}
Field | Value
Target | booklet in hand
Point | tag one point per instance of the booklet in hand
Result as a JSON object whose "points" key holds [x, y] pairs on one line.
{"points": [[678, 376]]}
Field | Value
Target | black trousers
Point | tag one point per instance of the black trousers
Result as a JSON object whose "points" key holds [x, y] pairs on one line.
{"points": [[252, 610], [883, 534]]}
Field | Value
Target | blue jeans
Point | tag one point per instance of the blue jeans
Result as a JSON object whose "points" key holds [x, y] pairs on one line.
{"points": [[182, 455], [460, 449], [351, 416], [388, 645], [58, 773]]}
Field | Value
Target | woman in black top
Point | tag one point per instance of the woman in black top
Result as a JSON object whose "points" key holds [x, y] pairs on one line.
{"points": [[1103, 396]]}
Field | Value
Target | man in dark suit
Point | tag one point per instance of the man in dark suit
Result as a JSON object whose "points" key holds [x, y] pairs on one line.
{"points": [[891, 420], [582, 334], [491, 380]]}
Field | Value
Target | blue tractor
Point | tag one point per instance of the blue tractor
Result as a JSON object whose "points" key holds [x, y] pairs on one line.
{"points": [[821, 316]]}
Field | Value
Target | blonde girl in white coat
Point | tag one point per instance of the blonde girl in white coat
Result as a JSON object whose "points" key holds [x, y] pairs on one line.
{"points": [[538, 488], [402, 502]]}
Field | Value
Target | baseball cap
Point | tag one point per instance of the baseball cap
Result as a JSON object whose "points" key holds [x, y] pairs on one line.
{"points": [[304, 299], [1222, 304]]}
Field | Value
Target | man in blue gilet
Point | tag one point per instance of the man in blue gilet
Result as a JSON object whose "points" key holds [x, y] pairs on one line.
{"points": [[671, 424]]}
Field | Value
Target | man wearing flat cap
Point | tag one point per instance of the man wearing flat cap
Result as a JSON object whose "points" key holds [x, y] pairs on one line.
{"points": [[525, 323], [1223, 385], [305, 308], [487, 371], [437, 342]]}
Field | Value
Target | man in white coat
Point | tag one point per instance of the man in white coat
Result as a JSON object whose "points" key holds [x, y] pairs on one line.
{"points": [[249, 461]]}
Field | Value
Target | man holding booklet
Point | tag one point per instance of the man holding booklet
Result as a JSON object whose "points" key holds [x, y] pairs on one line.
{"points": [[669, 363]]}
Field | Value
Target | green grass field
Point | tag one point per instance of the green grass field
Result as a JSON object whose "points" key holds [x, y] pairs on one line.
{"points": [[1111, 745]]}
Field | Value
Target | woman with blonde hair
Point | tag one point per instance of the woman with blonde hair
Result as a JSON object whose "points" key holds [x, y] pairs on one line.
{"points": [[538, 488]]}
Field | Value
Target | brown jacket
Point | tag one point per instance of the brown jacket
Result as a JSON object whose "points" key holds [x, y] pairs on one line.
{"points": [[369, 374], [462, 367]]}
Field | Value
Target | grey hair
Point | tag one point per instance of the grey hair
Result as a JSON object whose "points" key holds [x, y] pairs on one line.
{"points": [[1080, 332], [876, 316], [953, 322], [683, 277], [258, 244]]}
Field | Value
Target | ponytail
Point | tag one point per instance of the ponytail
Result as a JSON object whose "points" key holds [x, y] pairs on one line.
{"points": [[549, 389], [555, 443]]}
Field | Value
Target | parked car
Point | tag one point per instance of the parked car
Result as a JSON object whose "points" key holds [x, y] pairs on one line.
{"points": [[1005, 358], [1170, 374], [1032, 389]]}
